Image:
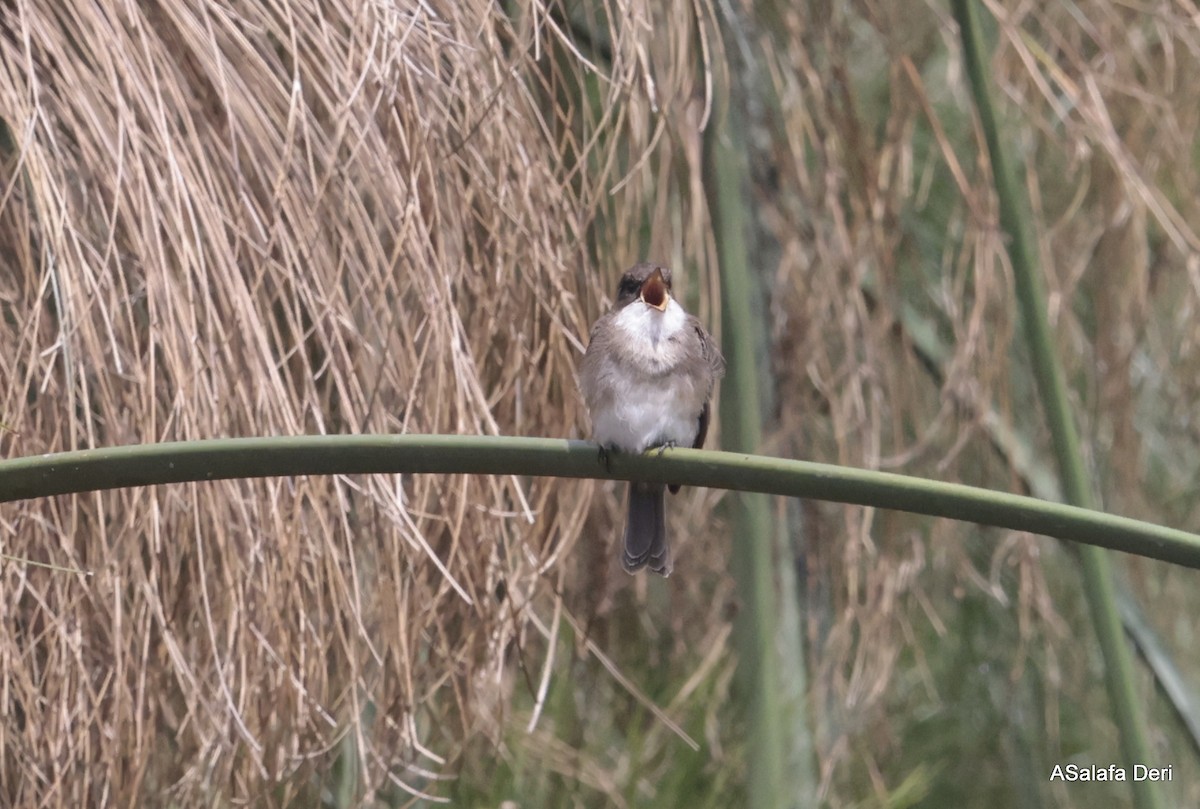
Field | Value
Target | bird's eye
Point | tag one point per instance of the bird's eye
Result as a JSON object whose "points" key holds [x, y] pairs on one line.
{"points": [[628, 287]]}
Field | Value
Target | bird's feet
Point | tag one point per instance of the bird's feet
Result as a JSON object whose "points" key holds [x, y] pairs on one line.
{"points": [[605, 457], [662, 448]]}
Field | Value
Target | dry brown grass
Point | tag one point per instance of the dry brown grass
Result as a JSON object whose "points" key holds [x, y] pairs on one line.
{"points": [[883, 218], [294, 216], [278, 218]]}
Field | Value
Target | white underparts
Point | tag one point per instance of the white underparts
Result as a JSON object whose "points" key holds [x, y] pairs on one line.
{"points": [[655, 400]]}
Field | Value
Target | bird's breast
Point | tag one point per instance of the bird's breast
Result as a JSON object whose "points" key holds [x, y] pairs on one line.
{"points": [[646, 387], [642, 413]]}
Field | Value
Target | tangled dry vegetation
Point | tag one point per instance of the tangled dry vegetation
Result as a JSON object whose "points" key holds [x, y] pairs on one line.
{"points": [[279, 218], [262, 218]]}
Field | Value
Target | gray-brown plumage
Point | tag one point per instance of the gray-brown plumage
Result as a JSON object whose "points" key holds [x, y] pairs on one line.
{"points": [[647, 378]]}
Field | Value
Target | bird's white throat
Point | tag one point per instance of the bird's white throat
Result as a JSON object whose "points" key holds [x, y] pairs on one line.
{"points": [[651, 330]]}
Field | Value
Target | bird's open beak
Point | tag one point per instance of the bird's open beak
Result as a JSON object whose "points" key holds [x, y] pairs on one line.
{"points": [[654, 291]]}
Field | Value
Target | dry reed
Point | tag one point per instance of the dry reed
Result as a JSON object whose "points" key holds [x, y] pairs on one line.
{"points": [[293, 216], [279, 218]]}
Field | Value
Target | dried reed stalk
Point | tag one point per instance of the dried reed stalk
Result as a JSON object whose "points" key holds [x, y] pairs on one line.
{"points": [[277, 218], [294, 216]]}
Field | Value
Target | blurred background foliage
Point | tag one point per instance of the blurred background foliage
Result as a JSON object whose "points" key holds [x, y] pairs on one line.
{"points": [[291, 216]]}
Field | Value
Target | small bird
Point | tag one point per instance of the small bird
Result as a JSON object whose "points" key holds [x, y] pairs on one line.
{"points": [[647, 378]]}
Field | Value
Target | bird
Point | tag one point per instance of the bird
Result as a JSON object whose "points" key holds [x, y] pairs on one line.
{"points": [[647, 378]]}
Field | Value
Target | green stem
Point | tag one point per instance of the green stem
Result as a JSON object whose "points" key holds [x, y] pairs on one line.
{"points": [[1031, 297], [222, 459], [741, 429]]}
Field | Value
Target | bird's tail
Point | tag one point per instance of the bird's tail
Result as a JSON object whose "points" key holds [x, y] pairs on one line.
{"points": [[646, 530]]}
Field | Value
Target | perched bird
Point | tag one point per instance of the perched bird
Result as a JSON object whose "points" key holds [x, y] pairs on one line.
{"points": [[647, 379]]}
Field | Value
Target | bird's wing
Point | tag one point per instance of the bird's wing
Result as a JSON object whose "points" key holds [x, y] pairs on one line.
{"points": [[708, 346]]}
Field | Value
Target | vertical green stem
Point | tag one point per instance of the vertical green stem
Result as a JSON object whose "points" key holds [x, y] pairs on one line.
{"points": [[1031, 297], [741, 430]]}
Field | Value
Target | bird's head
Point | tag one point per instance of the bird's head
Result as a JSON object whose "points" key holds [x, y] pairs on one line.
{"points": [[645, 283]]}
